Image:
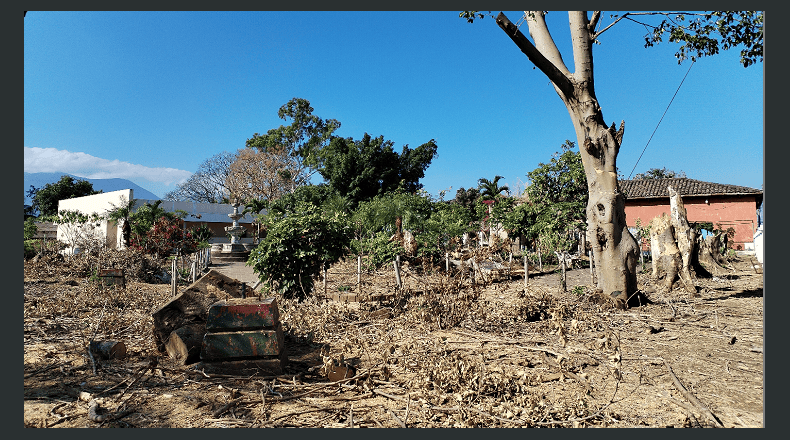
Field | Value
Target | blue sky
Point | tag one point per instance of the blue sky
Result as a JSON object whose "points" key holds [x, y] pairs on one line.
{"points": [[148, 96]]}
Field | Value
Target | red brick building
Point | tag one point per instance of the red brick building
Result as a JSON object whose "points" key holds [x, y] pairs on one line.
{"points": [[723, 205]]}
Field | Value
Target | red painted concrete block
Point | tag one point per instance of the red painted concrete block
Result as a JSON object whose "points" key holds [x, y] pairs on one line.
{"points": [[242, 314]]}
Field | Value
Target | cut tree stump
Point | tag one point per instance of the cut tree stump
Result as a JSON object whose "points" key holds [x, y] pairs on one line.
{"points": [[185, 343]]}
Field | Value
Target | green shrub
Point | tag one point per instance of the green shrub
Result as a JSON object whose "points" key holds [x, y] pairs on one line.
{"points": [[377, 250], [296, 247]]}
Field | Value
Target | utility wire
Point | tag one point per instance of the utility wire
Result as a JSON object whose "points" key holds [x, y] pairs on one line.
{"points": [[662, 118]]}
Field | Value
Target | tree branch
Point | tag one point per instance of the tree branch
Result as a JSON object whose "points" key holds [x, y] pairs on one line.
{"points": [[593, 22], [547, 67], [582, 47]]}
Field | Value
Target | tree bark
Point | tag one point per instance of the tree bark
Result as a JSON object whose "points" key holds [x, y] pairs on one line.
{"points": [[184, 344], [666, 255], [710, 255], [686, 238], [614, 248]]}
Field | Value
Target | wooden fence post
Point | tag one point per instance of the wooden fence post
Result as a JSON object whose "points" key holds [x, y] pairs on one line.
{"points": [[447, 262], [359, 274], [174, 277], [397, 271], [526, 271], [564, 283], [324, 280]]}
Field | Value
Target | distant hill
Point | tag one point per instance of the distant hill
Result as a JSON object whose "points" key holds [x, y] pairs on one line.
{"points": [[38, 180]]}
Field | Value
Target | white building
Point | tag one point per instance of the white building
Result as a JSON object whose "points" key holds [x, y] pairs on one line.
{"points": [[215, 215]]}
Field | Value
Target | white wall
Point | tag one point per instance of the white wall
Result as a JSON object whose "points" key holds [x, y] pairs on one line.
{"points": [[759, 243], [99, 204], [112, 233]]}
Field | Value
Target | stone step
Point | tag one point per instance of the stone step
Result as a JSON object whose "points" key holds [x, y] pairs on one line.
{"points": [[230, 258]]}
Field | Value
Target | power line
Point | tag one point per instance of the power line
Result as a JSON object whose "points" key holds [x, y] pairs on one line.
{"points": [[662, 118]]}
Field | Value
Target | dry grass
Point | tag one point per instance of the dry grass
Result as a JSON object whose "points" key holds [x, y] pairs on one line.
{"points": [[442, 352]]}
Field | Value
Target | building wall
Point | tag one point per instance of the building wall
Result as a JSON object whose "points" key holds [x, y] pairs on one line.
{"points": [[96, 204], [215, 215], [738, 212]]}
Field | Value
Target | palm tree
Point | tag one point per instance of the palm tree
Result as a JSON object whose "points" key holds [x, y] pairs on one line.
{"points": [[255, 206], [489, 189], [121, 213]]}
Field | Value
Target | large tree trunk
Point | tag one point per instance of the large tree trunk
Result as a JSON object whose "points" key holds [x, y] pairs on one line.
{"points": [[710, 254], [675, 248], [666, 255], [615, 250], [686, 237]]}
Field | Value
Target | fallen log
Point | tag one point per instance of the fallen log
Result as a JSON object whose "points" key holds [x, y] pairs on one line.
{"points": [[184, 344]]}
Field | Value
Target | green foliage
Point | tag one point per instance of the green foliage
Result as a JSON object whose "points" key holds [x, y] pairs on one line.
{"points": [[165, 237], [45, 200], [143, 219], [379, 214], [303, 138], [436, 225], [296, 247], [703, 34], [518, 221], [79, 228], [660, 173], [703, 226], [360, 170], [30, 228], [309, 194], [378, 250], [558, 196], [490, 189], [202, 233]]}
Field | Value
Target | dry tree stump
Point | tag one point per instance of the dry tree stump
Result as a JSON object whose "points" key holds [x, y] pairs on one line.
{"points": [[108, 349], [184, 344]]}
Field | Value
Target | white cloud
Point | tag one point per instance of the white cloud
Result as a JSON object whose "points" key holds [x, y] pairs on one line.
{"points": [[48, 160]]}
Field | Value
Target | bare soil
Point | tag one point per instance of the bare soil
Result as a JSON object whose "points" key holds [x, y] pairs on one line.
{"points": [[441, 352]]}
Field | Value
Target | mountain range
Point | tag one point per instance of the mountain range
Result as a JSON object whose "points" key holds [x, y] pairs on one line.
{"points": [[38, 180]]}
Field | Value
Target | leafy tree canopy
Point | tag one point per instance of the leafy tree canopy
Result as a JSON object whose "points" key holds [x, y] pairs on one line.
{"points": [[45, 200], [558, 195], [360, 170], [302, 139], [659, 173], [489, 189]]}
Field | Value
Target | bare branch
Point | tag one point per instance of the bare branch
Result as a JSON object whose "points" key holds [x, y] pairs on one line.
{"points": [[593, 22], [547, 67], [629, 14]]}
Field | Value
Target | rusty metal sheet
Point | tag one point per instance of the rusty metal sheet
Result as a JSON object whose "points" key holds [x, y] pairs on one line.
{"points": [[248, 344], [242, 314]]}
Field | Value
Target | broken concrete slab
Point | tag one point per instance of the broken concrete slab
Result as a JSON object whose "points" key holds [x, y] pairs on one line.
{"points": [[191, 305]]}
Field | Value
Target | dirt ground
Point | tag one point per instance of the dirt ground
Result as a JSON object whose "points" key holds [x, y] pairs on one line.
{"points": [[441, 352]]}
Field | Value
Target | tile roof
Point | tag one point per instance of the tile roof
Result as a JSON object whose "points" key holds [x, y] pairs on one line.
{"points": [[651, 188]]}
